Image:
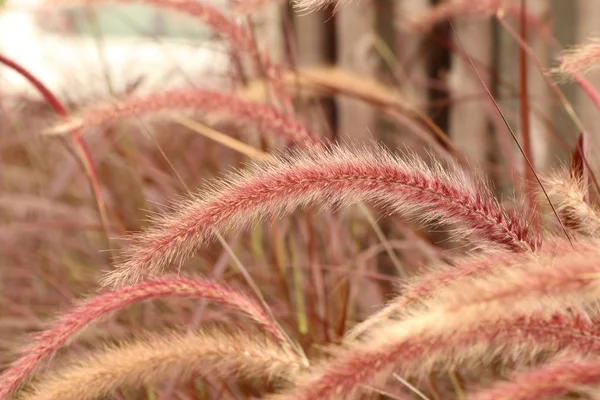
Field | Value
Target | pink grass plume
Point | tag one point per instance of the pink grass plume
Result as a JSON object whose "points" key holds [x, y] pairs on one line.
{"points": [[48, 342], [415, 346], [580, 59], [267, 119], [334, 176]]}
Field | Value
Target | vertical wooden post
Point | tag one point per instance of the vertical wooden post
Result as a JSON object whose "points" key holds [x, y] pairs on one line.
{"points": [[469, 121], [588, 27], [354, 27]]}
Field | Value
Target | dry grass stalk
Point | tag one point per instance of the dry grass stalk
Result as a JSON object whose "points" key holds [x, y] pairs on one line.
{"points": [[330, 177], [266, 119], [439, 339], [336, 81], [82, 315], [148, 360]]}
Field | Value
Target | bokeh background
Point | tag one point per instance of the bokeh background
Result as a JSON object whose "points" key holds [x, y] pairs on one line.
{"points": [[395, 71]]}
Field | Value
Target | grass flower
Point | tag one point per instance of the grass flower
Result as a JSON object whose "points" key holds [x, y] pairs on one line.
{"points": [[83, 314], [266, 119], [580, 59], [333, 176], [148, 360], [442, 339]]}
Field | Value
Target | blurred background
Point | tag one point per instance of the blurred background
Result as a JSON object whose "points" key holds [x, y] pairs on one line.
{"points": [[397, 71]]}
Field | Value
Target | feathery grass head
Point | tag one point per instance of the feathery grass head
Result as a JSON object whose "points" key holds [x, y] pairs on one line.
{"points": [[516, 308], [558, 268], [422, 288], [83, 314], [439, 339], [339, 175], [580, 59], [568, 196], [214, 352], [265, 118], [571, 274]]}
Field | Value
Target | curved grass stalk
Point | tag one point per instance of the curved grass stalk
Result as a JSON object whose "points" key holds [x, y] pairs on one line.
{"points": [[334, 176], [84, 153], [148, 360], [265, 118], [444, 339], [47, 343]]}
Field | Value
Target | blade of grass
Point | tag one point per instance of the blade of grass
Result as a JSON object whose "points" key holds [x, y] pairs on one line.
{"points": [[411, 387], [514, 136], [566, 105], [221, 138]]}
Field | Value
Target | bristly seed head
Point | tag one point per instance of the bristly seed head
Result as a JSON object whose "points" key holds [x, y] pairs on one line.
{"points": [[339, 175]]}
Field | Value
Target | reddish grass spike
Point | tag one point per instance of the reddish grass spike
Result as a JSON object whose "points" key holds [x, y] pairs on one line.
{"points": [[67, 326], [496, 276], [571, 275], [556, 378], [326, 176], [263, 116], [426, 286], [414, 347], [214, 353]]}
